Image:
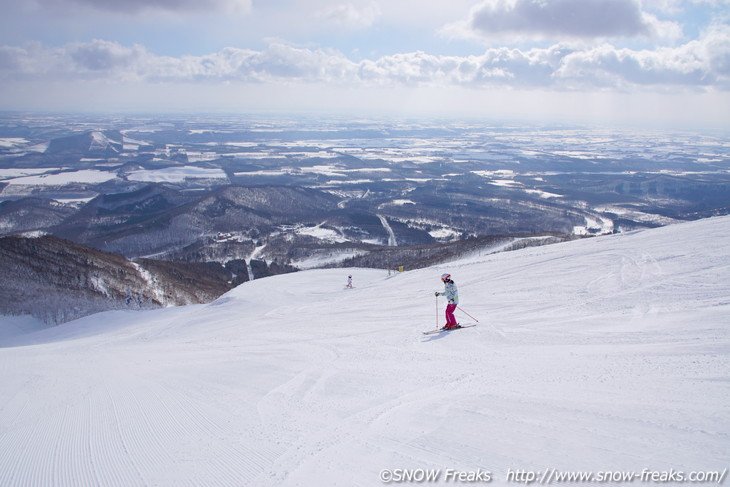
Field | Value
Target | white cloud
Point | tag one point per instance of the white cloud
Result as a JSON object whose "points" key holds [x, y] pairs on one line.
{"points": [[698, 64], [11, 58], [607, 67], [561, 19], [502, 66], [667, 6], [715, 47], [95, 59], [351, 15], [279, 63], [100, 55], [136, 6]]}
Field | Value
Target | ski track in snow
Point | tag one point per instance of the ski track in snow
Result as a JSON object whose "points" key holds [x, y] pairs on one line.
{"points": [[392, 242], [254, 255], [602, 354]]}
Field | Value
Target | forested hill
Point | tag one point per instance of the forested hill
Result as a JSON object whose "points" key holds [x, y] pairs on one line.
{"points": [[57, 280]]}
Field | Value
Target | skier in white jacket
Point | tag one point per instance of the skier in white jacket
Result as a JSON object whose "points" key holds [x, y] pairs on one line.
{"points": [[452, 294]]}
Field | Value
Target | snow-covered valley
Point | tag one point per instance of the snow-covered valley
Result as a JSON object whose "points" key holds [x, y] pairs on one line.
{"points": [[607, 354]]}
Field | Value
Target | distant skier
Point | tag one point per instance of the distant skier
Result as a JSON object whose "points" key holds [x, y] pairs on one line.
{"points": [[349, 282], [452, 294]]}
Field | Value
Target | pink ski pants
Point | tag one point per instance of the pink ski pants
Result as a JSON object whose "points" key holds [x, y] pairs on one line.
{"points": [[450, 318]]}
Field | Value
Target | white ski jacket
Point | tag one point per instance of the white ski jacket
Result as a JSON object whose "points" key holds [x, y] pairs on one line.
{"points": [[451, 292]]}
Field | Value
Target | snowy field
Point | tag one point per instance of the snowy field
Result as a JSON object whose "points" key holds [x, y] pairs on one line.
{"points": [[88, 176], [601, 355], [175, 174]]}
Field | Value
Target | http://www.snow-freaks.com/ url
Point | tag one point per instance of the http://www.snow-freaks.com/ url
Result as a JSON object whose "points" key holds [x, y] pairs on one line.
{"points": [[550, 476]]}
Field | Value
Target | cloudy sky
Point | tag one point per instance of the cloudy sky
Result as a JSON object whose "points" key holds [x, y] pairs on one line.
{"points": [[633, 61]]}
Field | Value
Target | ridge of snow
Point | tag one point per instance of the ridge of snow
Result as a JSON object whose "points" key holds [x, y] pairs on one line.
{"points": [[601, 354]]}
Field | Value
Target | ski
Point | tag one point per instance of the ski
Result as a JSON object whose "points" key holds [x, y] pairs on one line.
{"points": [[440, 330]]}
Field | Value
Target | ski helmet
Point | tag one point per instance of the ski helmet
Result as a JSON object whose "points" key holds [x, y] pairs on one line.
{"points": [[445, 276]]}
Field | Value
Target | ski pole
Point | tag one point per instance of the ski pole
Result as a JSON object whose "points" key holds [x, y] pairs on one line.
{"points": [[437, 310], [467, 314]]}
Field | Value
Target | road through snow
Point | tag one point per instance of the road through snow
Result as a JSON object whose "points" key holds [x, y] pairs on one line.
{"points": [[608, 353]]}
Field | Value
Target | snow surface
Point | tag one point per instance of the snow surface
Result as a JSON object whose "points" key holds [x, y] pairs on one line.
{"points": [[13, 326], [318, 232], [175, 174], [16, 173], [12, 142], [90, 176], [602, 354]]}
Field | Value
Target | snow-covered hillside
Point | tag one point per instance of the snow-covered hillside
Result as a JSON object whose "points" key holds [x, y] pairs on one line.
{"points": [[601, 355]]}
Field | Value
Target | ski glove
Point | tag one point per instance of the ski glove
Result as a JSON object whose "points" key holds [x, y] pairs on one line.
{"points": [[437, 293]]}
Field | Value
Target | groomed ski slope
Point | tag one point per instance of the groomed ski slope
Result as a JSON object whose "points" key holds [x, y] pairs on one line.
{"points": [[605, 354]]}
